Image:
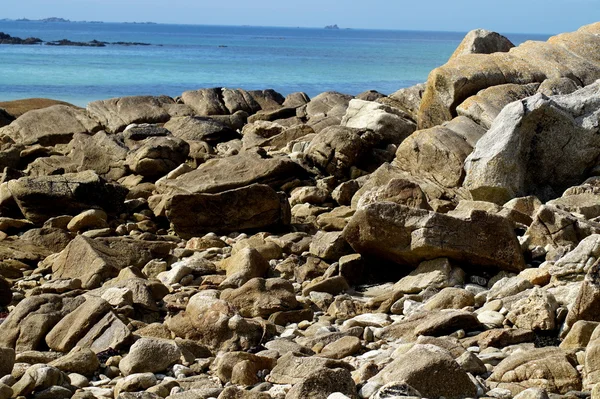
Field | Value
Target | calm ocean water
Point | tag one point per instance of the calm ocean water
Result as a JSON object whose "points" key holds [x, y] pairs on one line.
{"points": [[184, 57]]}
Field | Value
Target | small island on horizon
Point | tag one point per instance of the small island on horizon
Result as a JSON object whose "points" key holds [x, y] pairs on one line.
{"points": [[332, 27], [63, 20]]}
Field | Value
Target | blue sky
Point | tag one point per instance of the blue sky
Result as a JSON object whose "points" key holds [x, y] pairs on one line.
{"points": [[526, 16]]}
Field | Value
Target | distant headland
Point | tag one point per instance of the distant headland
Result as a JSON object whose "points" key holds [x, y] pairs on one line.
{"points": [[63, 20], [332, 27]]}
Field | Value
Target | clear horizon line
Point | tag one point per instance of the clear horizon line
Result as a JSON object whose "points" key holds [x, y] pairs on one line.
{"points": [[266, 26]]}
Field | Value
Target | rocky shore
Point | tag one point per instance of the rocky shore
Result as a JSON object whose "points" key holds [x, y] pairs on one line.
{"points": [[442, 241]]}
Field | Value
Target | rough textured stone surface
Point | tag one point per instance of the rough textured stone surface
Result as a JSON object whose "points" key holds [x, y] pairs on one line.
{"points": [[547, 368], [417, 366], [260, 297], [115, 114], [563, 55], [409, 236], [481, 41], [150, 355], [252, 207], [322, 383], [41, 198], [537, 146], [49, 126]]}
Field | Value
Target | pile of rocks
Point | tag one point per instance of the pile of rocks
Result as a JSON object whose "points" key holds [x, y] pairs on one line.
{"points": [[442, 241]]}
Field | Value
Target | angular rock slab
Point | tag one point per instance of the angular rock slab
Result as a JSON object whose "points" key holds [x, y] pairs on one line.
{"points": [[253, 207], [540, 145], [41, 198], [409, 236]]}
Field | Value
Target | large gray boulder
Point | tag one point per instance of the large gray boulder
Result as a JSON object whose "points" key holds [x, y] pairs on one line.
{"points": [[481, 41], [409, 236], [538, 146], [391, 124], [116, 113], [101, 152], [41, 198], [49, 126], [198, 128]]}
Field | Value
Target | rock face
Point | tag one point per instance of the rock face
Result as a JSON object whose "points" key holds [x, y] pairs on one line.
{"points": [[49, 126], [481, 41], [563, 55], [115, 114], [44, 197], [252, 207], [537, 146], [420, 364], [408, 236]]}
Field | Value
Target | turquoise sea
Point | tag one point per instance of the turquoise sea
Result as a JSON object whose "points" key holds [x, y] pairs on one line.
{"points": [[184, 57]]}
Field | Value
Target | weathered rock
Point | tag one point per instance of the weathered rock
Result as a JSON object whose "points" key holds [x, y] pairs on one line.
{"points": [[436, 274], [438, 154], [81, 360], [241, 367], [39, 377], [409, 236], [215, 324], [586, 306], [337, 148], [65, 334], [157, 156], [328, 104], [481, 41], [296, 100], [547, 368], [535, 312], [252, 207], [450, 298], [408, 99], [88, 220], [232, 172], [554, 227], [485, 106], [100, 152], [579, 335], [417, 366], [389, 123], [44, 197], [538, 146], [324, 382], [150, 355], [329, 246], [558, 86], [244, 265], [50, 126], [292, 368], [339, 349], [134, 383], [399, 191], [89, 261], [117, 113], [562, 56], [260, 298], [108, 333], [198, 128]]}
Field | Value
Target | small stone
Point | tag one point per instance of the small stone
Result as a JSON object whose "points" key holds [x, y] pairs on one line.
{"points": [[345, 346], [88, 220]]}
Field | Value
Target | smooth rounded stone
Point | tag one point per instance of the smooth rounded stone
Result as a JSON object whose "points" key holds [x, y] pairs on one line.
{"points": [[88, 220], [369, 320], [135, 382], [244, 265], [345, 346], [150, 355], [311, 195], [323, 382], [283, 346], [78, 380], [337, 395], [471, 363], [491, 319], [80, 360], [5, 391], [508, 286], [333, 285], [535, 393], [7, 361], [450, 298]]}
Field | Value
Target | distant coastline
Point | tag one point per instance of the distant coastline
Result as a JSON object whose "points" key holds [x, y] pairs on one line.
{"points": [[63, 20]]}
